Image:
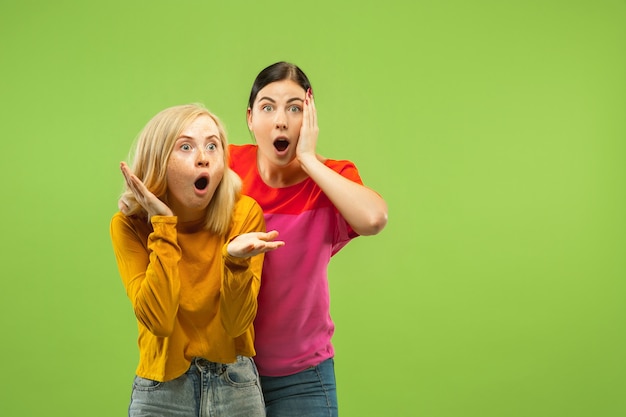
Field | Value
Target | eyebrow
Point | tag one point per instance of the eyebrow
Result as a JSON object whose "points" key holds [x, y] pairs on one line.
{"points": [[274, 101], [216, 137]]}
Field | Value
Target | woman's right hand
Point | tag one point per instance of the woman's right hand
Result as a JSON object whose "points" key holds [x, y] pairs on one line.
{"points": [[147, 200]]}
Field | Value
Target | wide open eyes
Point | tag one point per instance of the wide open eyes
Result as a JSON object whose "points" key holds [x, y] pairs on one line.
{"points": [[294, 109], [212, 146], [268, 108]]}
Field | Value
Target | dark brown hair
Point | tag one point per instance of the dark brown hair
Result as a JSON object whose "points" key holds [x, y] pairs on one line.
{"points": [[277, 72]]}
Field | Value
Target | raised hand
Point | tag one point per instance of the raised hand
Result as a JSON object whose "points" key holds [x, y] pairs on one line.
{"points": [[309, 130], [253, 243], [147, 200]]}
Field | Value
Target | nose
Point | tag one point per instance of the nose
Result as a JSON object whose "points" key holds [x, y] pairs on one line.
{"points": [[281, 120], [202, 160]]}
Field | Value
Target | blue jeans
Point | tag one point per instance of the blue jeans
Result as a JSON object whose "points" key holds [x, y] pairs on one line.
{"points": [[310, 393], [206, 389]]}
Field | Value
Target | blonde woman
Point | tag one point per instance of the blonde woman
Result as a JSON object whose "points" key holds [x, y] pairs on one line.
{"points": [[189, 249]]}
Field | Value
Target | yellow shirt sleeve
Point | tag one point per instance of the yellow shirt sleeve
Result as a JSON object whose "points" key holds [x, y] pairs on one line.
{"points": [[149, 270], [242, 276]]}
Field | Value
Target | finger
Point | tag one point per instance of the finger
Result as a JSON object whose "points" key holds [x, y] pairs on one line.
{"points": [[127, 174], [139, 188], [131, 178], [263, 236], [307, 105], [273, 246], [122, 205], [125, 169], [311, 101], [271, 235], [134, 187], [313, 113]]}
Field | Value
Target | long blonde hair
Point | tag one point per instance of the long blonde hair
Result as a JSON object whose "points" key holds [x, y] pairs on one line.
{"points": [[151, 153]]}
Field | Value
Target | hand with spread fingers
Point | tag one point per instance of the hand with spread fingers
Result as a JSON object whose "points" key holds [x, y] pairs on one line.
{"points": [[254, 243], [147, 200]]}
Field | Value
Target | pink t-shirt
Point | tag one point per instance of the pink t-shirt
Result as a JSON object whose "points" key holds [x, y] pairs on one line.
{"points": [[293, 326]]}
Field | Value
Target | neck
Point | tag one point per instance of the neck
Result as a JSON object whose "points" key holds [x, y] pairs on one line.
{"points": [[190, 226], [277, 176], [186, 214]]}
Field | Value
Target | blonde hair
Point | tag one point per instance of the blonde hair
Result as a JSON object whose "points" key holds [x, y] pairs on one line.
{"points": [[151, 153]]}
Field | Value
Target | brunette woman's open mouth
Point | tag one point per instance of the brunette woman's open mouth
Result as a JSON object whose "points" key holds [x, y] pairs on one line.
{"points": [[281, 144]]}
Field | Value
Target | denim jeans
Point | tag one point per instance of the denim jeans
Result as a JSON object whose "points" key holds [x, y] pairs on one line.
{"points": [[310, 393], [206, 389]]}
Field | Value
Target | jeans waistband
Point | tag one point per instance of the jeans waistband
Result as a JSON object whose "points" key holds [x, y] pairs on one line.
{"points": [[205, 365]]}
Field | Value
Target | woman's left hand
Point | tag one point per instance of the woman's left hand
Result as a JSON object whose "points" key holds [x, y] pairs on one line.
{"points": [[309, 130], [253, 243]]}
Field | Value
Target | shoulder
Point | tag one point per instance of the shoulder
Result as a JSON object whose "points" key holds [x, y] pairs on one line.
{"points": [[241, 157], [246, 202], [133, 219], [337, 163], [246, 206], [344, 167], [241, 150], [122, 225], [248, 212], [120, 220]]}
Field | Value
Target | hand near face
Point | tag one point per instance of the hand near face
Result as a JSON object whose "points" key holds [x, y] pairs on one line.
{"points": [[253, 243], [309, 130], [147, 200]]}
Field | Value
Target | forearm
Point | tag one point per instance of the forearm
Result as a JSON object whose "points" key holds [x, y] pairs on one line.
{"points": [[156, 303], [151, 277], [364, 210], [239, 291]]}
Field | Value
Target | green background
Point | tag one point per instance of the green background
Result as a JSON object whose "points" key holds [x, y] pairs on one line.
{"points": [[495, 130]]}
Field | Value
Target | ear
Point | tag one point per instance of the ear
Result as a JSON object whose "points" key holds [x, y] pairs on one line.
{"points": [[249, 118]]}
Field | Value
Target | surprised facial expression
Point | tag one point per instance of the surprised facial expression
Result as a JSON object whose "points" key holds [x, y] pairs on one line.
{"points": [[194, 169], [276, 119]]}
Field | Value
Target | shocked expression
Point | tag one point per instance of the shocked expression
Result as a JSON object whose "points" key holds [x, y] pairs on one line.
{"points": [[195, 168], [276, 119]]}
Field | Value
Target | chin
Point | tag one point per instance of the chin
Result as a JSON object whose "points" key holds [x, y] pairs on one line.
{"points": [[287, 157]]}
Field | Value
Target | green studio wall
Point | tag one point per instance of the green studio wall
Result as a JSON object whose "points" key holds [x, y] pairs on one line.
{"points": [[494, 130]]}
